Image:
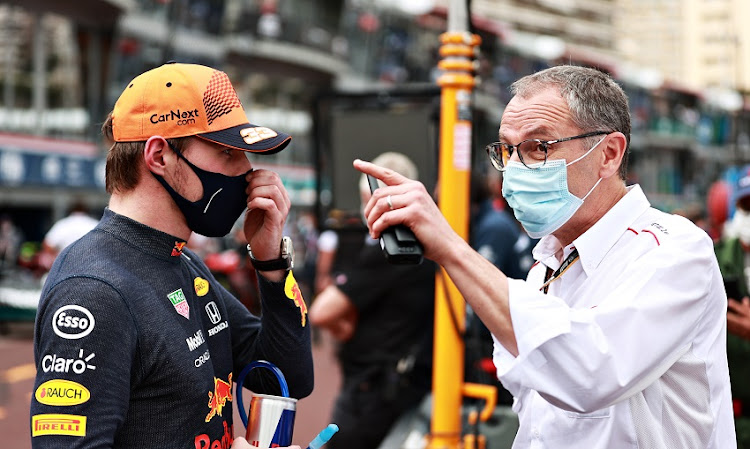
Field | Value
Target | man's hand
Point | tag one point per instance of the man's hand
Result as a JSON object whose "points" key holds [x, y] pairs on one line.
{"points": [[412, 206], [241, 443], [738, 317], [268, 206]]}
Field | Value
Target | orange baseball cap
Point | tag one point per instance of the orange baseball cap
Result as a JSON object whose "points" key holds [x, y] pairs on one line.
{"points": [[180, 100]]}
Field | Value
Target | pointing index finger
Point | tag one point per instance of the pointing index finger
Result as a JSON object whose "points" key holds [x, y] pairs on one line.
{"points": [[388, 176]]}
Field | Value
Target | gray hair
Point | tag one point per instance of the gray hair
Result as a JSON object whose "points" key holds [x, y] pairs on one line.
{"points": [[595, 100]]}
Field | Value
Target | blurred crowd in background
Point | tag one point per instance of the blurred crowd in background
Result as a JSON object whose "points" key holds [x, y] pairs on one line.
{"points": [[354, 78]]}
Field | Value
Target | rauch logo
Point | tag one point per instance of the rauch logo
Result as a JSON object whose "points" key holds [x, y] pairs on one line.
{"points": [[62, 393]]}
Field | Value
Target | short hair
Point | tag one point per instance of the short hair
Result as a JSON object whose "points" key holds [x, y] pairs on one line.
{"points": [[122, 172], [595, 100], [393, 161]]}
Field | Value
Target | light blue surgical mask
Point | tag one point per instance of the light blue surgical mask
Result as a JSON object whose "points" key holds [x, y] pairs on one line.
{"points": [[539, 196]]}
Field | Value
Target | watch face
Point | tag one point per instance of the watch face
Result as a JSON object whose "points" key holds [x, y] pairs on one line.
{"points": [[287, 250]]}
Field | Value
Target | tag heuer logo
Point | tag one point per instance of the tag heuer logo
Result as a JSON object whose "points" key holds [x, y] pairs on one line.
{"points": [[178, 300]]}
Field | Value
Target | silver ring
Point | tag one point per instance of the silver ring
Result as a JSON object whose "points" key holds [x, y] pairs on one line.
{"points": [[388, 200]]}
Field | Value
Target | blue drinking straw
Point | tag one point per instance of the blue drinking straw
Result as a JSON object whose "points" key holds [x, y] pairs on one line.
{"points": [[323, 436]]}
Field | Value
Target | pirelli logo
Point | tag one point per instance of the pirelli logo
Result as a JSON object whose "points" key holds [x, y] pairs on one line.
{"points": [[53, 424]]}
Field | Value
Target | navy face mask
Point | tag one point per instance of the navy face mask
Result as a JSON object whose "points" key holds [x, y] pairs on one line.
{"points": [[223, 201]]}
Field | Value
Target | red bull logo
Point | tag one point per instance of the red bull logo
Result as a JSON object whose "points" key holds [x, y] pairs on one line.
{"points": [[203, 441], [218, 398], [177, 250], [292, 291]]}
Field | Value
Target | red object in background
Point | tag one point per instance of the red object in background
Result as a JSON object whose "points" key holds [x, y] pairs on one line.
{"points": [[486, 365], [233, 269], [717, 205], [225, 262], [128, 47], [268, 7], [368, 22]]}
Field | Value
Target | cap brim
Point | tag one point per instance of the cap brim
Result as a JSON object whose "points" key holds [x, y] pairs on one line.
{"points": [[232, 138]]}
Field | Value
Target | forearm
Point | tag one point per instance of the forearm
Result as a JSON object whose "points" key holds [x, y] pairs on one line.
{"points": [[285, 335], [484, 287]]}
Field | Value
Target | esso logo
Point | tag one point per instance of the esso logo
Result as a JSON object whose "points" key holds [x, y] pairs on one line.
{"points": [[72, 322]]}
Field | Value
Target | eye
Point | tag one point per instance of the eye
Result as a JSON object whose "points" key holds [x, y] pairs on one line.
{"points": [[226, 151], [533, 149]]}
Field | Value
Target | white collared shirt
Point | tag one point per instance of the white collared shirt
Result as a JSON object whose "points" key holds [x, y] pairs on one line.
{"points": [[628, 348]]}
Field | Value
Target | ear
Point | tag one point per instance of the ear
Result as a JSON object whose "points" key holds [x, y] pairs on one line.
{"points": [[154, 153], [613, 153]]}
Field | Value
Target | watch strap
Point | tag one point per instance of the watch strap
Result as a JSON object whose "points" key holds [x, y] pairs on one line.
{"points": [[270, 265], [282, 263]]}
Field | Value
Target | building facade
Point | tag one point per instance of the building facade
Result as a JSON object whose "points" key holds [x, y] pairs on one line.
{"points": [[62, 65]]}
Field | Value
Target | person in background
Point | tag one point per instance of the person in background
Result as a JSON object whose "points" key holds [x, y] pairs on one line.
{"points": [[733, 254], [493, 230], [327, 245], [10, 244], [131, 325], [493, 233], [382, 315], [307, 235], [617, 337], [64, 232]]}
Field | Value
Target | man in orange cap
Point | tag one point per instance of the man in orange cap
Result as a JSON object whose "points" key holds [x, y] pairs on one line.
{"points": [[133, 333]]}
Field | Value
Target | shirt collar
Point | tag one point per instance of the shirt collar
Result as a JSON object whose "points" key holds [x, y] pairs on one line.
{"points": [[147, 239], [596, 242]]}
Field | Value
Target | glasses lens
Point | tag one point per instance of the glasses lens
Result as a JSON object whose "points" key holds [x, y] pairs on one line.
{"points": [[495, 152], [532, 152]]}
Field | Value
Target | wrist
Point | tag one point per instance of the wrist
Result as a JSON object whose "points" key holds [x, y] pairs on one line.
{"points": [[283, 263]]}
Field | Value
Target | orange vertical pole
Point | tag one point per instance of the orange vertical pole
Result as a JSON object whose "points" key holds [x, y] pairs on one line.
{"points": [[456, 82]]}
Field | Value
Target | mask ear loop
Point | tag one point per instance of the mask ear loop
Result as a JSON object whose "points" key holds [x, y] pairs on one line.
{"points": [[587, 153], [592, 189]]}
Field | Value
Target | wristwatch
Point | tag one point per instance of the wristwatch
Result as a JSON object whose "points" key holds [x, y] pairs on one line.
{"points": [[285, 262]]}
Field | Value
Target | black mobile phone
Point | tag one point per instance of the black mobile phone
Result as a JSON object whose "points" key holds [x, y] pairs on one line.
{"points": [[732, 287], [398, 243]]}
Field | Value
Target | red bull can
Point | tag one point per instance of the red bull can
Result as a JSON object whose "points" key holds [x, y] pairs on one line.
{"points": [[271, 420]]}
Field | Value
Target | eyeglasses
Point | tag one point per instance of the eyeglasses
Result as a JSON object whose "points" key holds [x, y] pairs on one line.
{"points": [[531, 152]]}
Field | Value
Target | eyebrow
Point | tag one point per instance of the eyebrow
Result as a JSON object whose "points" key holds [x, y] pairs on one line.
{"points": [[540, 130]]}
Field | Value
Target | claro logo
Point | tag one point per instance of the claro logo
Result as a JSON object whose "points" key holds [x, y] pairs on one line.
{"points": [[57, 364], [72, 322]]}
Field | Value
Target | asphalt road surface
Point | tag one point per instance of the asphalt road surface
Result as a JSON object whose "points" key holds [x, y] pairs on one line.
{"points": [[17, 373]]}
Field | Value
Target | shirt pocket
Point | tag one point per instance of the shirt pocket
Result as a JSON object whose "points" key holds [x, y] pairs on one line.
{"points": [[596, 414]]}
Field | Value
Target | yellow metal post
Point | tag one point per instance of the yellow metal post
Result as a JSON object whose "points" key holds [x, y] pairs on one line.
{"points": [[457, 82]]}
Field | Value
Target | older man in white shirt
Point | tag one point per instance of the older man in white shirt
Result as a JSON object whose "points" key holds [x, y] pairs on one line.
{"points": [[617, 338]]}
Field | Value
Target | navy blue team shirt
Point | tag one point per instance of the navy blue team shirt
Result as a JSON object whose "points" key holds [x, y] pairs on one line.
{"points": [[137, 345]]}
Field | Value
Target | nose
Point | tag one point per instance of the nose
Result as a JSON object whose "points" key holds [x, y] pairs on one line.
{"points": [[241, 161], [515, 155]]}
